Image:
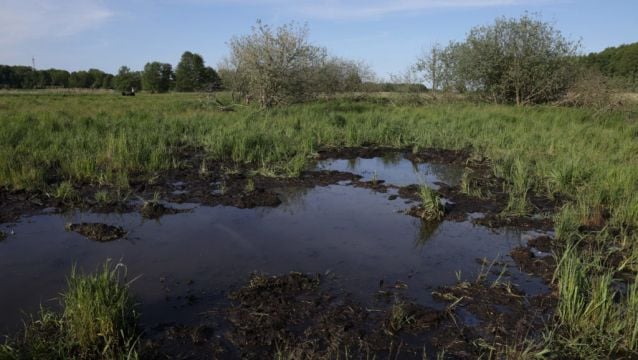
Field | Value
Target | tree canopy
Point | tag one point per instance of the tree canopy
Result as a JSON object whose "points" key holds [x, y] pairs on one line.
{"points": [[192, 75], [521, 61], [157, 77]]}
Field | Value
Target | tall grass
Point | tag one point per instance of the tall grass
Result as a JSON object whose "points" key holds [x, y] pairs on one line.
{"points": [[97, 322], [597, 318]]}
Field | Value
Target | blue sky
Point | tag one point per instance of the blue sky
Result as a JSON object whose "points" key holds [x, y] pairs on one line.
{"points": [[386, 34]]}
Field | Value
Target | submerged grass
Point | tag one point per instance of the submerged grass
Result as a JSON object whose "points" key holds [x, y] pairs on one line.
{"points": [[98, 322]]}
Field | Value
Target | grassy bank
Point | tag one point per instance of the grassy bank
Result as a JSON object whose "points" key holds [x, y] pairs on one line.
{"points": [[52, 141]]}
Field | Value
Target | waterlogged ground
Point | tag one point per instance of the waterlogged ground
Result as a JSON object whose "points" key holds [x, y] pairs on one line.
{"points": [[357, 238]]}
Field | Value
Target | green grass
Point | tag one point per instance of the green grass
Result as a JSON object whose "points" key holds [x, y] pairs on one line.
{"points": [[433, 208], [97, 321], [51, 142]]}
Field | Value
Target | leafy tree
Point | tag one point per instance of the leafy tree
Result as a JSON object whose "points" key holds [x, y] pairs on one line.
{"points": [[521, 61], [59, 78], [125, 80], [157, 77], [432, 65], [277, 64], [620, 64], [192, 75], [80, 79]]}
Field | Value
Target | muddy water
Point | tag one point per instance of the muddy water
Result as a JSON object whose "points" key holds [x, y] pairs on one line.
{"points": [[188, 262]]}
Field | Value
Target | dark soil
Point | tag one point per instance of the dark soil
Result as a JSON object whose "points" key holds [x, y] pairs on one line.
{"points": [[528, 262], [503, 314], [294, 316], [96, 231]]}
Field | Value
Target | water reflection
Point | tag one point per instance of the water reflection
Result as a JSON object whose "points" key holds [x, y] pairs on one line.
{"points": [[396, 170], [426, 230]]}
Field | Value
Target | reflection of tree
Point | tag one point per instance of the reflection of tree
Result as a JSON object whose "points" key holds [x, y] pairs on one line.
{"points": [[292, 199], [353, 164], [427, 229], [446, 173], [391, 158]]}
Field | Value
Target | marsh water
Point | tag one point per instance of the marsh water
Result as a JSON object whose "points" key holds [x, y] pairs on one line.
{"points": [[187, 263]]}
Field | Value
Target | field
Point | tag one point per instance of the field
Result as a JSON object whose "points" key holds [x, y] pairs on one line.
{"points": [[571, 173]]}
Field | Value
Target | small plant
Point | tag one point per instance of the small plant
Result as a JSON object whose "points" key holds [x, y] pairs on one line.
{"points": [[65, 192], [223, 188], [470, 184], [203, 168], [433, 208], [375, 178], [250, 185], [102, 197], [399, 317]]}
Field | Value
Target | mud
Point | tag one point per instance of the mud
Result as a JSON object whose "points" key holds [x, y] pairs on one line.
{"points": [[296, 316], [530, 263], [96, 231], [500, 314]]}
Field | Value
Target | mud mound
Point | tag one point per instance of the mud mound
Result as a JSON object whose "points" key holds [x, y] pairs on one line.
{"points": [[256, 198], [97, 231]]}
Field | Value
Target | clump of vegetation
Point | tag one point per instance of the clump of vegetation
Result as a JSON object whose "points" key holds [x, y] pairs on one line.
{"points": [[250, 185], [98, 322], [65, 192], [432, 206], [597, 318], [470, 184], [398, 318]]}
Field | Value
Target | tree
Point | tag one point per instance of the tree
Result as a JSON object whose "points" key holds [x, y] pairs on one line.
{"points": [[278, 65], [59, 78], [521, 61], [157, 77], [192, 75], [125, 80], [620, 64], [432, 65]]}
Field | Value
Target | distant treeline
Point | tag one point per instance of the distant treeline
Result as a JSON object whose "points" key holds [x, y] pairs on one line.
{"points": [[190, 75], [619, 64], [25, 77]]}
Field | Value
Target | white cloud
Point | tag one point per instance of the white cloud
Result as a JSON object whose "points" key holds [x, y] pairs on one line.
{"points": [[22, 20]]}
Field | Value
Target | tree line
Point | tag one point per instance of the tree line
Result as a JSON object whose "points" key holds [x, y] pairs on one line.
{"points": [[619, 64], [191, 74]]}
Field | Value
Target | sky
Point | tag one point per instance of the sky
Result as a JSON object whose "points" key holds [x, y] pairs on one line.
{"points": [[386, 34]]}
